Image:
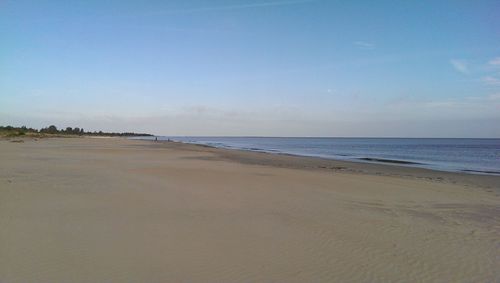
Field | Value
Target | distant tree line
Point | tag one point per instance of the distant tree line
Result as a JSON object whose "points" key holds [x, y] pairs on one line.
{"points": [[10, 130]]}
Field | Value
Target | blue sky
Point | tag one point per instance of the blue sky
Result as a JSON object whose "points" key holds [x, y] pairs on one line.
{"points": [[271, 68]]}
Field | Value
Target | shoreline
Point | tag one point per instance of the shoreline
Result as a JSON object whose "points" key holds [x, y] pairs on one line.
{"points": [[286, 160], [391, 168], [359, 159]]}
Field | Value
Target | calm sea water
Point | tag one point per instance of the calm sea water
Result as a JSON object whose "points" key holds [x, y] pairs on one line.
{"points": [[466, 155]]}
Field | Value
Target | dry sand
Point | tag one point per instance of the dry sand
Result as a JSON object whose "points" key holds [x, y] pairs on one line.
{"points": [[116, 210]]}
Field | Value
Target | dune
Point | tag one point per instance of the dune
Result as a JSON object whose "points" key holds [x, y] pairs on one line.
{"points": [[118, 210]]}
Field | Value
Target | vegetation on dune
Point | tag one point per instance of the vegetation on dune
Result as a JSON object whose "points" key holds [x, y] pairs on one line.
{"points": [[10, 131]]}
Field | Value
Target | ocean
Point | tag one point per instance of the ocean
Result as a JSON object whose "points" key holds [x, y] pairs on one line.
{"points": [[481, 156]]}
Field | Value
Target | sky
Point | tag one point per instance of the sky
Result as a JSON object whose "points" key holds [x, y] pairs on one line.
{"points": [[253, 68]]}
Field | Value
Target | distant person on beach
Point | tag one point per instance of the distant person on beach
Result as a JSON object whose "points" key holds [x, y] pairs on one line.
{"points": [[156, 139]]}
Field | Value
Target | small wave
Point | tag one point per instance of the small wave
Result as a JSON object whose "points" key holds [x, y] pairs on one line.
{"points": [[482, 171], [252, 148], [395, 161]]}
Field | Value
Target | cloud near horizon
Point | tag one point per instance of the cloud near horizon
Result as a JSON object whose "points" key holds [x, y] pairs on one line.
{"points": [[204, 120], [490, 80], [495, 61], [493, 78]]}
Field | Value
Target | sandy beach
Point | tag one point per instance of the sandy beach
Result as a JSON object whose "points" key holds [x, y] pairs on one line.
{"points": [[118, 210]]}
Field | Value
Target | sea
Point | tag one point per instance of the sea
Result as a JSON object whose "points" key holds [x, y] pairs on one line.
{"points": [[478, 156]]}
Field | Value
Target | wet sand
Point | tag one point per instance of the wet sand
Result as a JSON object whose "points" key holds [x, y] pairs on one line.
{"points": [[116, 210]]}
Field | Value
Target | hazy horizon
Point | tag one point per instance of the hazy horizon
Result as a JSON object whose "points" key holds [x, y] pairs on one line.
{"points": [[253, 68]]}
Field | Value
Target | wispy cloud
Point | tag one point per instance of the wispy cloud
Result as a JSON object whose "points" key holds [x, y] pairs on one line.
{"points": [[495, 61], [460, 65], [472, 106], [489, 80], [495, 97], [491, 77], [364, 45], [234, 7]]}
